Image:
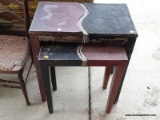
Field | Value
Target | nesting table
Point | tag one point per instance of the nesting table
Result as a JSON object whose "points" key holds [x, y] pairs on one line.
{"points": [[73, 23]]}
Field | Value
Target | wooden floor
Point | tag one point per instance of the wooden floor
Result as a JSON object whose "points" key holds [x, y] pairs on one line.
{"points": [[141, 89]]}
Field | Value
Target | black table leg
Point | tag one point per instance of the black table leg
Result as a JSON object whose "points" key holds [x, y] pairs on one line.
{"points": [[129, 46], [53, 78], [46, 80]]}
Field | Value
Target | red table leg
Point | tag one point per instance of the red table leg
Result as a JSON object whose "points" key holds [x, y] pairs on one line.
{"points": [[35, 51], [107, 73], [116, 82]]}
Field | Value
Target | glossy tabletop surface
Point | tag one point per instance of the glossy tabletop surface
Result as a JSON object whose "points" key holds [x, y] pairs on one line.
{"points": [[57, 17], [108, 19], [98, 19]]}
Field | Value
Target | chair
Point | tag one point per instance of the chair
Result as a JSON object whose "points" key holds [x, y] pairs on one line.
{"points": [[14, 50]]}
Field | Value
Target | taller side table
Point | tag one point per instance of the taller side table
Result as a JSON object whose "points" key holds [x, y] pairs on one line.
{"points": [[59, 22], [109, 24]]}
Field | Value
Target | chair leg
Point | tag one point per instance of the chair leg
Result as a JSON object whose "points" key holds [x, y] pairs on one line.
{"points": [[53, 78], [23, 87], [117, 79], [107, 73]]}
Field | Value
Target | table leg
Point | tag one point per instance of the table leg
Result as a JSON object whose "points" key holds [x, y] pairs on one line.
{"points": [[46, 80], [116, 82], [108, 71], [53, 78], [119, 91], [129, 46], [35, 50]]}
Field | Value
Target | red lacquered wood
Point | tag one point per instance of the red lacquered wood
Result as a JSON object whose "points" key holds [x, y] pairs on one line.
{"points": [[101, 55], [57, 17], [116, 81], [35, 45], [107, 73]]}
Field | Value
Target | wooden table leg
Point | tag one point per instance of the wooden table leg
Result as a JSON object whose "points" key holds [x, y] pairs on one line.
{"points": [[46, 80], [129, 46], [119, 91], [108, 70], [115, 84], [35, 50], [53, 78]]}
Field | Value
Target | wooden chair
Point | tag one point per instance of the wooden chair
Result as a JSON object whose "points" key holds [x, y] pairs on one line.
{"points": [[14, 50]]}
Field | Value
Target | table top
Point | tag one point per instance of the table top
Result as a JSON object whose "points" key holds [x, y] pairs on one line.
{"points": [[108, 19], [59, 52], [74, 51], [62, 21], [57, 17]]}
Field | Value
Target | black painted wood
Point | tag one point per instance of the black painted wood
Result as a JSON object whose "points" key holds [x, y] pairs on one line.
{"points": [[108, 22], [60, 54], [53, 78], [46, 81]]}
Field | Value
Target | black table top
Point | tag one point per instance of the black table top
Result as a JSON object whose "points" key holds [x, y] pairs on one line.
{"points": [[108, 20], [59, 51]]}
